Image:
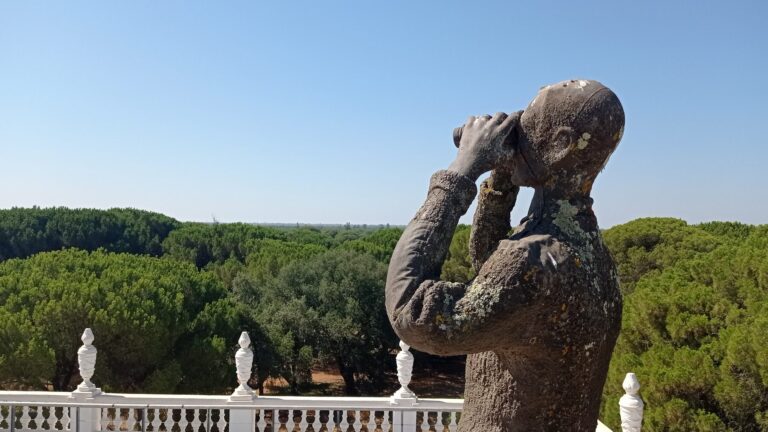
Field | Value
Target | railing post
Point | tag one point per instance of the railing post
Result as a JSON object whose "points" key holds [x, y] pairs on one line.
{"points": [[88, 419], [243, 419], [631, 405], [405, 420], [86, 360], [244, 365]]}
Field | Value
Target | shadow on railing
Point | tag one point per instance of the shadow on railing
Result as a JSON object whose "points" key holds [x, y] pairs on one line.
{"points": [[88, 409]]}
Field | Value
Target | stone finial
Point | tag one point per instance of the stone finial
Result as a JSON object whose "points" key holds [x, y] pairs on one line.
{"points": [[244, 365], [631, 405], [404, 362], [86, 360]]}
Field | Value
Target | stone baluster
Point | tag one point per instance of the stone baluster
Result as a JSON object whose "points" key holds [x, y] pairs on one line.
{"points": [[65, 418], [453, 421], [221, 422], [631, 405], [197, 421], [404, 420], [155, 423], [262, 423], [243, 419], [25, 418], [385, 421]]}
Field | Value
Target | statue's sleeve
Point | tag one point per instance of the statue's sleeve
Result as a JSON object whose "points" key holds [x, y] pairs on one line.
{"points": [[491, 223], [422, 248], [440, 317]]}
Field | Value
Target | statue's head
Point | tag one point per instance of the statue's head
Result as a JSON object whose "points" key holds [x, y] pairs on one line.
{"points": [[566, 135]]}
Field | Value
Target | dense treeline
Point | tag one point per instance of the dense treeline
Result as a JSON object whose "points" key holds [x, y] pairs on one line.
{"points": [[25, 232], [328, 308], [694, 324], [155, 316], [171, 308], [168, 299]]}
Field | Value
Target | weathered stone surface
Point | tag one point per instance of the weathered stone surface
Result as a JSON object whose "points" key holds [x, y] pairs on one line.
{"points": [[540, 320]]}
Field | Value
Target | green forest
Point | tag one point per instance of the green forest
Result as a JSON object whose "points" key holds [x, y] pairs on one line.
{"points": [[167, 301]]}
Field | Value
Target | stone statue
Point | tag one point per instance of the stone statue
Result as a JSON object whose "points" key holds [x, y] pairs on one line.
{"points": [[540, 320]]}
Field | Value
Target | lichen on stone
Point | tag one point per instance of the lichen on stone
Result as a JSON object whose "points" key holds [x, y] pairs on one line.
{"points": [[565, 221], [583, 141], [478, 303]]}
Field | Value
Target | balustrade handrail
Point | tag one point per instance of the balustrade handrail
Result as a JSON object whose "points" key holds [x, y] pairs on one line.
{"points": [[117, 400]]}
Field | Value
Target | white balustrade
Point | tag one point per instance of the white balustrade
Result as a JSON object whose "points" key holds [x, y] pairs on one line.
{"points": [[631, 405], [87, 409]]}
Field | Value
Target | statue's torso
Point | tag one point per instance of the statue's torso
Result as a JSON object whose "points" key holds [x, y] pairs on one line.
{"points": [[557, 348]]}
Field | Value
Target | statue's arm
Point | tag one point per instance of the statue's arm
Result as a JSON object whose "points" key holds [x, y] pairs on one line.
{"points": [[491, 223], [442, 317], [415, 299], [421, 250]]}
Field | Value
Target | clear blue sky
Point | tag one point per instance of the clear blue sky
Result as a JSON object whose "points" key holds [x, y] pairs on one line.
{"points": [[340, 111]]}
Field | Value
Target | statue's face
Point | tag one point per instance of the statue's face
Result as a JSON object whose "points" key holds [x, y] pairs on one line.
{"points": [[525, 168], [521, 173], [567, 131]]}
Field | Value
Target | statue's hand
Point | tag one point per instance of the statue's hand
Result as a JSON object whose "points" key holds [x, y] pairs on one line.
{"points": [[484, 144]]}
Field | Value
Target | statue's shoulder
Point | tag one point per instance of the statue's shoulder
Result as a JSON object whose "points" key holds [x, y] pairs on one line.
{"points": [[543, 251], [528, 242], [529, 247]]}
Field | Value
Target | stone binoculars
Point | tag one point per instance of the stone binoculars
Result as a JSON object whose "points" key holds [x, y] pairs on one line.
{"points": [[511, 139]]}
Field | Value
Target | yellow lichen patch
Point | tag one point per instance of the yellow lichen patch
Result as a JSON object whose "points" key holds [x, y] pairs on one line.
{"points": [[583, 141], [618, 135], [577, 261], [530, 274], [587, 186], [486, 188]]}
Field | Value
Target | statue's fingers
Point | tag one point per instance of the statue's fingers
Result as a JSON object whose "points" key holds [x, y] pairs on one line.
{"points": [[511, 121], [499, 117]]}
